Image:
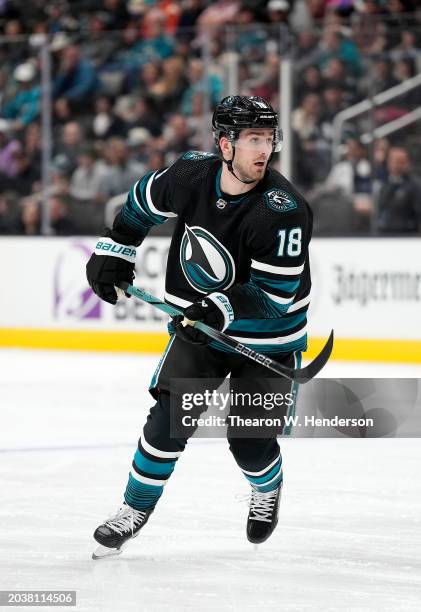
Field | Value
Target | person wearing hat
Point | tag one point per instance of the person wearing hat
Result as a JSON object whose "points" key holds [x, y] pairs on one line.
{"points": [[25, 106], [278, 10]]}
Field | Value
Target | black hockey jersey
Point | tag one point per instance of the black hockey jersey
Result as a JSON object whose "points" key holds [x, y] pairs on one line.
{"points": [[253, 247]]}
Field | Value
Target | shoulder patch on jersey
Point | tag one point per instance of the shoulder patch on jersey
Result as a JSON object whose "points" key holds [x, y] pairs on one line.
{"points": [[279, 200], [197, 155]]}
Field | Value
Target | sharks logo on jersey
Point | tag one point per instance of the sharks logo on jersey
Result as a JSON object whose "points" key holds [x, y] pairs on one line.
{"points": [[206, 263], [279, 200]]}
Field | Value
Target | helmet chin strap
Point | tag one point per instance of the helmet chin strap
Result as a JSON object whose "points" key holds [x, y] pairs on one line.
{"points": [[231, 169]]}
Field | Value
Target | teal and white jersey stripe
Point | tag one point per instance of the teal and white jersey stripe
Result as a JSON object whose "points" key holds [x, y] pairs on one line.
{"points": [[151, 469], [141, 210], [267, 479]]}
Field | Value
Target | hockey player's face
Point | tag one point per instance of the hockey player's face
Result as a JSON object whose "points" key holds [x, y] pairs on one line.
{"points": [[253, 149]]}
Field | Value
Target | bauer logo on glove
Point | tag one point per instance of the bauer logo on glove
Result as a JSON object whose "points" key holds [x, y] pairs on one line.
{"points": [[215, 310], [111, 263]]}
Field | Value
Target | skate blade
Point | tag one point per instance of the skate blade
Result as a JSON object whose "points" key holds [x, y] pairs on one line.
{"points": [[102, 552]]}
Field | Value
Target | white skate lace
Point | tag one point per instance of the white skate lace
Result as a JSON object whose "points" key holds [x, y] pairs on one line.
{"points": [[261, 505], [126, 519]]}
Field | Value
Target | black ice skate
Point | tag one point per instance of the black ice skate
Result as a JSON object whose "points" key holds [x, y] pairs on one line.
{"points": [[118, 529], [263, 515]]}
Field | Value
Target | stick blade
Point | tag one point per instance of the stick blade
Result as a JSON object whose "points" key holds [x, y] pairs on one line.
{"points": [[303, 375]]}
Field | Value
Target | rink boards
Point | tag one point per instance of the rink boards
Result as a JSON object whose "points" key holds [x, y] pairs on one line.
{"points": [[367, 290]]}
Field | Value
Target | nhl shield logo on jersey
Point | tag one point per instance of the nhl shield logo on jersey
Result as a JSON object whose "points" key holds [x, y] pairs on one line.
{"points": [[206, 263], [198, 155], [279, 200]]}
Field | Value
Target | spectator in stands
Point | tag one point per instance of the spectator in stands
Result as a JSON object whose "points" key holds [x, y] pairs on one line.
{"points": [[368, 7], [311, 81], [98, 46], [4, 77], [126, 57], [8, 146], [59, 17], [76, 80], [155, 44], [170, 11], [117, 15], [122, 172], [198, 82], [379, 79], [177, 134], [398, 199], [380, 152], [190, 12], [352, 175], [26, 174], [33, 139], [306, 51], [267, 85], [164, 95], [62, 113], [15, 50], [398, 19], [251, 39], [306, 118], [8, 213], [156, 160], [278, 11], [334, 45], [378, 44], [59, 183], [138, 141], [408, 48], [139, 102], [69, 145], [143, 115], [306, 123], [60, 221], [86, 180], [336, 75], [25, 106], [343, 204], [333, 102], [148, 76], [404, 69], [32, 144], [106, 123], [196, 121], [382, 81], [218, 13], [30, 217], [60, 172]]}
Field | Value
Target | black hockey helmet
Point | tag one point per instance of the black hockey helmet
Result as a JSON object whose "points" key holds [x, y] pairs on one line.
{"points": [[235, 113]]}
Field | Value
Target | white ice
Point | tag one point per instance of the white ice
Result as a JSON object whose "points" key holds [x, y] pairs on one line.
{"points": [[349, 536]]}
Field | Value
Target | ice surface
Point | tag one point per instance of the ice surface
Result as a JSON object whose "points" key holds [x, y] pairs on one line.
{"points": [[349, 536]]}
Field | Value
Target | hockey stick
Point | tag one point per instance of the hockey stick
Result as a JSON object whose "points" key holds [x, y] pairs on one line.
{"points": [[301, 375]]}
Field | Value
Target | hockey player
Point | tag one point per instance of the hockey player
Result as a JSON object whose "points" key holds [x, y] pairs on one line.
{"points": [[238, 261]]}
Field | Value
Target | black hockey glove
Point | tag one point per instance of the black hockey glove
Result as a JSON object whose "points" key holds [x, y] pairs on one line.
{"points": [[113, 261], [215, 310]]}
